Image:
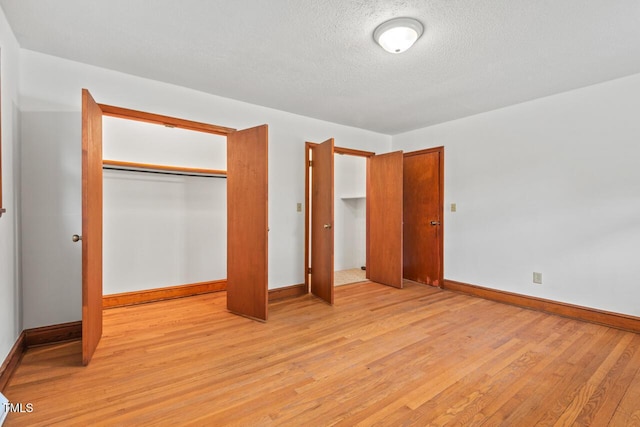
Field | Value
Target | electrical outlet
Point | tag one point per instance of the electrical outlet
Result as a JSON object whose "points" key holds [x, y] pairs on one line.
{"points": [[537, 278], [299, 207], [453, 207]]}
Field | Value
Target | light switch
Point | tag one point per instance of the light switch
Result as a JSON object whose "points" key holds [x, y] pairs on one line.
{"points": [[453, 207], [299, 208]]}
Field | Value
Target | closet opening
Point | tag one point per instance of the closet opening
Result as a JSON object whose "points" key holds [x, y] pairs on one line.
{"points": [[246, 210], [165, 211], [336, 181]]}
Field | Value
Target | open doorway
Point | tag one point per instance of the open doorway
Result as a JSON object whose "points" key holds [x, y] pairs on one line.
{"points": [[350, 219], [383, 230]]}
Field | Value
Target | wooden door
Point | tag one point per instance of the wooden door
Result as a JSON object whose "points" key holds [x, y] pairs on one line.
{"points": [[91, 226], [384, 218], [423, 215], [247, 226], [322, 221]]}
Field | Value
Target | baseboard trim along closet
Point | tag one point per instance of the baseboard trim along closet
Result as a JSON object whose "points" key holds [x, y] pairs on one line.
{"points": [[52, 334], [159, 294], [606, 318], [12, 361], [287, 292]]}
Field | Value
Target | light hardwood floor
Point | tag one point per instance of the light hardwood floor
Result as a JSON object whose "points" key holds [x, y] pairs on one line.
{"points": [[380, 356]]}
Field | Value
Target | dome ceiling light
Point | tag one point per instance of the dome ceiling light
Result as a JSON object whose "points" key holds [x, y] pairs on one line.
{"points": [[398, 34]]}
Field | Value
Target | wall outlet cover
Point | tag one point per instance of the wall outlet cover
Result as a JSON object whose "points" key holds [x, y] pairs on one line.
{"points": [[537, 278]]}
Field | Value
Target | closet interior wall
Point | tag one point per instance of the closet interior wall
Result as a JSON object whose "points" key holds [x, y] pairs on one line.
{"points": [[350, 211], [162, 229]]}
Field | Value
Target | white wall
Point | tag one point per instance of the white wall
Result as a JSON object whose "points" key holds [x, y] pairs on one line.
{"points": [[350, 184], [551, 186], [51, 214], [10, 313], [162, 230], [50, 86], [133, 141]]}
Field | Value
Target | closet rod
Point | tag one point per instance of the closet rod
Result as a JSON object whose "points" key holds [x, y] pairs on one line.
{"points": [[162, 169], [164, 172]]}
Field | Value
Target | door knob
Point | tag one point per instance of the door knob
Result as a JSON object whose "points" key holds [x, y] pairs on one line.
{"points": [[435, 222], [327, 226], [76, 238]]}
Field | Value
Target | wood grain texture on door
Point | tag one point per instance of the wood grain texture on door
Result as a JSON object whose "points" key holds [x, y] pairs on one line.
{"points": [[384, 218], [423, 216], [91, 226], [247, 222], [322, 239]]}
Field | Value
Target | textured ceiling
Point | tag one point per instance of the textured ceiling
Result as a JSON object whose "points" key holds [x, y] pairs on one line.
{"points": [[317, 57]]}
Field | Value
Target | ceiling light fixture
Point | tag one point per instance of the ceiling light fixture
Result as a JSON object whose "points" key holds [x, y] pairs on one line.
{"points": [[398, 34]]}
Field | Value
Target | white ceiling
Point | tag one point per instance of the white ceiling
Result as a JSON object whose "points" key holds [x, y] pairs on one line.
{"points": [[317, 57]]}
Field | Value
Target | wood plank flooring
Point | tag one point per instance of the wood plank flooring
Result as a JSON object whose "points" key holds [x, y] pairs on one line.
{"points": [[380, 356]]}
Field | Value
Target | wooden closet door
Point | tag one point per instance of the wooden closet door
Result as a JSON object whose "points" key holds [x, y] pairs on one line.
{"points": [[384, 219], [247, 226], [322, 221], [91, 226]]}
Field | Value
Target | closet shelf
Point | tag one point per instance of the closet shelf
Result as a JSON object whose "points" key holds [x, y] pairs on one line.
{"points": [[162, 169]]}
